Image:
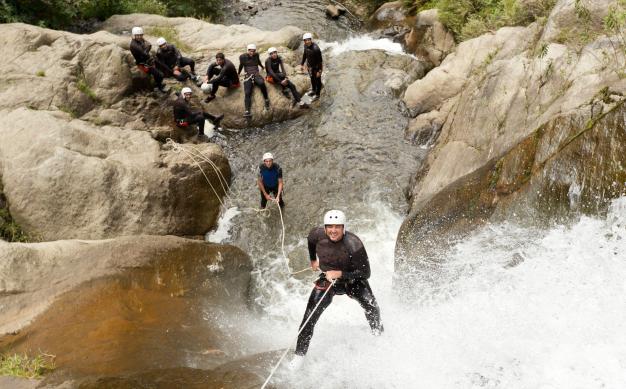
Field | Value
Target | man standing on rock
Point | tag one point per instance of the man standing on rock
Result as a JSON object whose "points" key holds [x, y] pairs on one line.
{"points": [[140, 49], [313, 57], [251, 61], [184, 116], [169, 56], [342, 257], [270, 181], [225, 75], [275, 70]]}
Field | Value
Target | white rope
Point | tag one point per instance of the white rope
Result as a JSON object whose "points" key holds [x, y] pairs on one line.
{"points": [[332, 283], [196, 155], [178, 147]]}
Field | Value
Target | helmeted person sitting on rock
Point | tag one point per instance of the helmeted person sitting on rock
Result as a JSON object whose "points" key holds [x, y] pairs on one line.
{"points": [[275, 69], [225, 75], [315, 65], [270, 181], [342, 257], [140, 49], [184, 116], [250, 61], [173, 62]]}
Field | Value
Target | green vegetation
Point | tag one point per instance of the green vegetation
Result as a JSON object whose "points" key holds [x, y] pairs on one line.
{"points": [[40, 73], [170, 34], [471, 18], [63, 14], [86, 89], [9, 230], [23, 366]]}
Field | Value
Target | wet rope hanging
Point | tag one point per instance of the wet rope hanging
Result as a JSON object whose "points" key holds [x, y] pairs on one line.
{"points": [[196, 155], [332, 283]]}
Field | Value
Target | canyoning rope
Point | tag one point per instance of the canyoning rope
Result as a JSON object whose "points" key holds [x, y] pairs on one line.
{"points": [[332, 283], [197, 156]]}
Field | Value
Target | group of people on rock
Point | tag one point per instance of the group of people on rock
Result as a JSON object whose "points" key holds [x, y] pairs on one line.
{"points": [[339, 254], [169, 62]]}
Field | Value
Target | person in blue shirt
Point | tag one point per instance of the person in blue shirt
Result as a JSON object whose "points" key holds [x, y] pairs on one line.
{"points": [[270, 181]]}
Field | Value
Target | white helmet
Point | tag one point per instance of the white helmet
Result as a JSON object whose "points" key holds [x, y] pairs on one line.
{"points": [[206, 87], [186, 90], [268, 156], [307, 35], [251, 46], [161, 41], [137, 31], [335, 217], [271, 50]]}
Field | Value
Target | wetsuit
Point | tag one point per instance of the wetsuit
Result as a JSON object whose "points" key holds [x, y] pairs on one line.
{"points": [[276, 70], [313, 57], [170, 57], [251, 66], [141, 52], [184, 116], [349, 256], [226, 75], [269, 178]]}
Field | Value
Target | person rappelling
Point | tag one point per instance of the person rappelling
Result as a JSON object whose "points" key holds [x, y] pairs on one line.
{"points": [[341, 256], [270, 181]]}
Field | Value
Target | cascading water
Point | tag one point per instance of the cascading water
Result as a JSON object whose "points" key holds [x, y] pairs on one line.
{"points": [[512, 307]]}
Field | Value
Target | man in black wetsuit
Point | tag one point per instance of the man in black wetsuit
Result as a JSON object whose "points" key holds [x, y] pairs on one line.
{"points": [[184, 116], [276, 74], [270, 181], [250, 61], [342, 257], [173, 62], [313, 57], [140, 49], [225, 75]]}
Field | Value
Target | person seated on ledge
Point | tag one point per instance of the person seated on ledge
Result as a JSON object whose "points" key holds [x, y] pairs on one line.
{"points": [[251, 62], [276, 74], [185, 116], [225, 75], [173, 62], [140, 49]]}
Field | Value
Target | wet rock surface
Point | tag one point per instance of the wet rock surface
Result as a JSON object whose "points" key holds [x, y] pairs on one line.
{"points": [[513, 104]]}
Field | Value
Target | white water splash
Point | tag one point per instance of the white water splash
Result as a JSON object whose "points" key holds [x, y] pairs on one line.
{"points": [[362, 43], [224, 224], [554, 318]]}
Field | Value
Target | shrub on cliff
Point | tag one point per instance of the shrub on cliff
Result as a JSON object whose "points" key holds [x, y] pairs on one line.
{"points": [[471, 18], [63, 14]]}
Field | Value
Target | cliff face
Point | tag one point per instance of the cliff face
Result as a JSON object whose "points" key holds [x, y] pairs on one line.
{"points": [[528, 125]]}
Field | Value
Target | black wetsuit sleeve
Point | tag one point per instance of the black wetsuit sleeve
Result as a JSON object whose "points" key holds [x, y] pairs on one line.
{"points": [[178, 55], [258, 61], [270, 69], [210, 70], [312, 240], [360, 265], [240, 64], [303, 57], [281, 66], [280, 172], [317, 56]]}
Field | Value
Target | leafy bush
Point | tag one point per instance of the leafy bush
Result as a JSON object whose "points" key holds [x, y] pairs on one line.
{"points": [[60, 14], [470, 18]]}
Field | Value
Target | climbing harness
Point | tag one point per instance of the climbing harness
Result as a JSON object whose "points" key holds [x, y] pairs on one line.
{"points": [[298, 334]]}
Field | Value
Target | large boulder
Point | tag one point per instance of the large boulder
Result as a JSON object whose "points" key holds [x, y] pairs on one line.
{"points": [[389, 14], [67, 178], [429, 38], [102, 307], [50, 69], [530, 130]]}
